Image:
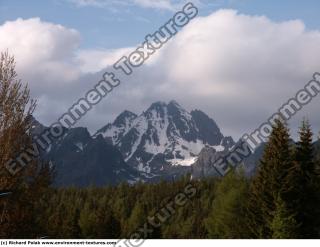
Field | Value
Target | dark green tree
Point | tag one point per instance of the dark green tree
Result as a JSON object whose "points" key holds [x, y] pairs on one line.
{"points": [[308, 189], [284, 224], [266, 185], [109, 225], [227, 218]]}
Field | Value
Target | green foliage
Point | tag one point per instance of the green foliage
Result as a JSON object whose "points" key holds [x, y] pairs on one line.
{"points": [[275, 167], [284, 200], [227, 218], [309, 201], [284, 224]]}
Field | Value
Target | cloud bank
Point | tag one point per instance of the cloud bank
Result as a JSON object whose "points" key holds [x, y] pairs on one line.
{"points": [[237, 68]]}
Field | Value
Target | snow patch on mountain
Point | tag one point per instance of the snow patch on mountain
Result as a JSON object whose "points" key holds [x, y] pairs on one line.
{"points": [[183, 162], [164, 134]]}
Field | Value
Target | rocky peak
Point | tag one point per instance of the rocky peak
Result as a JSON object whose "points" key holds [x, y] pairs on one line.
{"points": [[124, 119], [165, 134]]}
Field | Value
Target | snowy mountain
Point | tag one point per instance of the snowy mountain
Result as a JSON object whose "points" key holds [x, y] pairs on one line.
{"points": [[164, 137], [163, 142]]}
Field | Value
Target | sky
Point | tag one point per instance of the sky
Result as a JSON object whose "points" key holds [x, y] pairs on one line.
{"points": [[238, 61]]}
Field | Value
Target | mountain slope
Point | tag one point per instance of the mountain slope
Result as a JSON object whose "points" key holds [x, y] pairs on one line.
{"points": [[163, 136], [81, 160]]}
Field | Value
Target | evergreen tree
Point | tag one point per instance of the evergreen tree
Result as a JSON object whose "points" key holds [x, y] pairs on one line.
{"points": [[275, 166], [109, 225], [70, 226], [227, 218], [137, 218], [284, 224], [88, 221], [308, 183]]}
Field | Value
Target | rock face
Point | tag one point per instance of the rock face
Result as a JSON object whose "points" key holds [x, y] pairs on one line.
{"points": [[81, 160], [204, 166], [163, 137]]}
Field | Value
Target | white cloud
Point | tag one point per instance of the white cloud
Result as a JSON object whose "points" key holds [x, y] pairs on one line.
{"points": [[96, 60], [240, 68], [49, 60], [237, 68], [40, 47]]}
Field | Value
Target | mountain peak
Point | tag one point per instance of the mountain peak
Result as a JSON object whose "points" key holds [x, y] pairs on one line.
{"points": [[124, 117], [173, 102], [157, 105], [128, 113], [115, 131], [161, 104]]}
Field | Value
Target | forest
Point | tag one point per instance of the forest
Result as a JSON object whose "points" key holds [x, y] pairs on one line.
{"points": [[281, 200]]}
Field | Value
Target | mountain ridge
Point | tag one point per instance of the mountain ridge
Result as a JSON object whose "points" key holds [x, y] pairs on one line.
{"points": [[162, 142]]}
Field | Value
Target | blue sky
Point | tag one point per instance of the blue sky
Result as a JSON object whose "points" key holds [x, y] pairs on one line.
{"points": [[117, 25], [238, 61]]}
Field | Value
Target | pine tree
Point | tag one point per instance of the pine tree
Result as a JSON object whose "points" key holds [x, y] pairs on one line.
{"points": [[70, 227], [88, 221], [309, 183], [227, 218], [109, 225], [304, 152], [284, 224], [273, 170], [137, 218]]}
